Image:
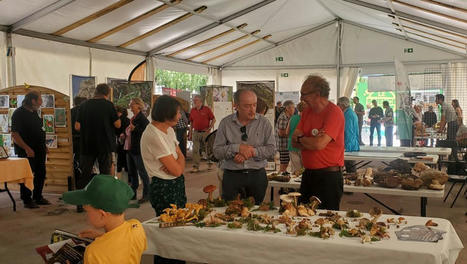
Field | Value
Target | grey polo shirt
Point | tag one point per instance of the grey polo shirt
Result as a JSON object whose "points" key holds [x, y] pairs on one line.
{"points": [[229, 138], [448, 111]]}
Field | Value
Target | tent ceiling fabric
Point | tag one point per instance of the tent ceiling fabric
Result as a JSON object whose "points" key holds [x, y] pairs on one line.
{"points": [[445, 27]]}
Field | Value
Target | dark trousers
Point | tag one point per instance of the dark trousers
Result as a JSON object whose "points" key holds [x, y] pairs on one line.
{"points": [[135, 168], [87, 162], [451, 137], [181, 137], [388, 134], [360, 125], [378, 131], [121, 160], [328, 186], [253, 182], [37, 165]]}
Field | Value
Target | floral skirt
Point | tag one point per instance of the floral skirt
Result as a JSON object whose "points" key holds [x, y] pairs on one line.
{"points": [[163, 192]]}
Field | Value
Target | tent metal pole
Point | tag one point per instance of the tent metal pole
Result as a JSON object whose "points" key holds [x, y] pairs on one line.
{"points": [[409, 16], [40, 13], [212, 25], [299, 35], [11, 65], [339, 57], [410, 39]]}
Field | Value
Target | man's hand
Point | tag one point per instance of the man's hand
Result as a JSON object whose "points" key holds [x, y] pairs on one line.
{"points": [[247, 151], [90, 233], [30, 153], [239, 158]]}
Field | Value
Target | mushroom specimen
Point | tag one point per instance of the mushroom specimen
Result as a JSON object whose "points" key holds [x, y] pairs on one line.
{"points": [[209, 190]]}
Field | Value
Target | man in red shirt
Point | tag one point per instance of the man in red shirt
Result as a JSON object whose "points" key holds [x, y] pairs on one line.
{"points": [[202, 121], [320, 136]]}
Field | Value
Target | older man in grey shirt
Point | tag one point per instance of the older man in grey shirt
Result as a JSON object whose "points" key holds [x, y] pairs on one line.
{"points": [[244, 142]]}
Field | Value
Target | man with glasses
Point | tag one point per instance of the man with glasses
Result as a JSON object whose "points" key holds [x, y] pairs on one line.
{"points": [[244, 142], [320, 136]]}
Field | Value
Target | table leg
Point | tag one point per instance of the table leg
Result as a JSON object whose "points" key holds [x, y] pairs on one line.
{"points": [[423, 202], [11, 197], [272, 194], [381, 203]]}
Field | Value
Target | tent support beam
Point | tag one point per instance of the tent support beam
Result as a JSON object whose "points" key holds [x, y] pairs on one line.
{"points": [[333, 66], [299, 35], [338, 56], [11, 65], [408, 16], [403, 38], [34, 34], [212, 25], [38, 14]]}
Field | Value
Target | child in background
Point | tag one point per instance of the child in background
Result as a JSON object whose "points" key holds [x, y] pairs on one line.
{"points": [[105, 199]]}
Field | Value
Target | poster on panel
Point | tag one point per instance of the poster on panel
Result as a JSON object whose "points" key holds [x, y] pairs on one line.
{"points": [[123, 92], [83, 86], [264, 91]]}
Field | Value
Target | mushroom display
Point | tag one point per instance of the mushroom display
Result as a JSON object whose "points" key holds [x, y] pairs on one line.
{"points": [[209, 190], [295, 196]]}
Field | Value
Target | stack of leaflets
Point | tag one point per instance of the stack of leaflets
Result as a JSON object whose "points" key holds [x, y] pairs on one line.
{"points": [[64, 246], [420, 233]]}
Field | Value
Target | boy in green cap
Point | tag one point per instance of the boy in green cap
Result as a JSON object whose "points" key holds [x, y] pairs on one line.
{"points": [[105, 199]]}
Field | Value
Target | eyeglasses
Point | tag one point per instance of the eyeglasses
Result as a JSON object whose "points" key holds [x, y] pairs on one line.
{"points": [[306, 94], [244, 135]]}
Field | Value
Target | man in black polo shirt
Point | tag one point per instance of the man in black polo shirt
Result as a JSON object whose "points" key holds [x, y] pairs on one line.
{"points": [[29, 139], [97, 120]]}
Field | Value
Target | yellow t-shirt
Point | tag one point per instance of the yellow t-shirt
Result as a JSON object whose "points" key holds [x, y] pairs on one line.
{"points": [[124, 244]]}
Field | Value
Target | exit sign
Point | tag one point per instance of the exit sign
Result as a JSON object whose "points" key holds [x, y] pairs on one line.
{"points": [[408, 50], [279, 58], [285, 74]]}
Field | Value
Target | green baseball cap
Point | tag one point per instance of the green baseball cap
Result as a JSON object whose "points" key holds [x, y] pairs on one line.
{"points": [[103, 192]]}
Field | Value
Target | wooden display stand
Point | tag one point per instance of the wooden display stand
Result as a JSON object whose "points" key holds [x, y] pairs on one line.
{"points": [[59, 163]]}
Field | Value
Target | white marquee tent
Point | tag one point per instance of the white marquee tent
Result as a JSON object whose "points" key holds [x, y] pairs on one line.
{"points": [[43, 42]]}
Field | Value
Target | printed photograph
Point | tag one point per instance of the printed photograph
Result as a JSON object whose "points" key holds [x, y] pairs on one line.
{"points": [[19, 100], [10, 114], [48, 124], [4, 123], [51, 141], [83, 86], [4, 101], [60, 117], [48, 101]]}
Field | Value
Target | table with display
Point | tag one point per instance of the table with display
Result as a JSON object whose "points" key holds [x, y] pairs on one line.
{"points": [[442, 152], [224, 245], [15, 170], [431, 134], [364, 158], [424, 194]]}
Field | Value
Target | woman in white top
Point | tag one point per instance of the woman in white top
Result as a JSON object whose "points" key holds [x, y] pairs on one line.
{"points": [[163, 159]]}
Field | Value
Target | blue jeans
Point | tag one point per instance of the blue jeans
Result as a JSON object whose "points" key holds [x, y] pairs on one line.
{"points": [[388, 134], [135, 168], [378, 131]]}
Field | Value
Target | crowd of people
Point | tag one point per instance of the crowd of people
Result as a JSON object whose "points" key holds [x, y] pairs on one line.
{"points": [[311, 135]]}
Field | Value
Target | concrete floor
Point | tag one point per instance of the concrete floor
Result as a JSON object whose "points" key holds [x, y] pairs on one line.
{"points": [[25, 229]]}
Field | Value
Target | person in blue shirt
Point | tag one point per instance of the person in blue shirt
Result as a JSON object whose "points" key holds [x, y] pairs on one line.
{"points": [[351, 131]]}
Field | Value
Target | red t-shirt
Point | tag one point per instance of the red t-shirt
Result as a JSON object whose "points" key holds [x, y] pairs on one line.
{"points": [[331, 121], [200, 118]]}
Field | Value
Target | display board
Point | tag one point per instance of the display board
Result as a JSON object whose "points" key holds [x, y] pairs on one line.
{"points": [[123, 92], [284, 96], [219, 99], [56, 116]]}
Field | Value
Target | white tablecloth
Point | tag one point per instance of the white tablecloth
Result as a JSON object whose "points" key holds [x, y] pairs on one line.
{"points": [[434, 151], [385, 156], [422, 192], [223, 245]]}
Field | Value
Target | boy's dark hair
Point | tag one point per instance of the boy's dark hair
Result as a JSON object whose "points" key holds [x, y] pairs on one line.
{"points": [[385, 103], [102, 89], [165, 108]]}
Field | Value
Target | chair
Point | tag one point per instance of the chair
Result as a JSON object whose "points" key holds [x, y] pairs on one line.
{"points": [[454, 179]]}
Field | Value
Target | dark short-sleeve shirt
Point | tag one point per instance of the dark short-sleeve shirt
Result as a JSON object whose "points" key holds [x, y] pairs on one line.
{"points": [[28, 125], [96, 117], [359, 108]]}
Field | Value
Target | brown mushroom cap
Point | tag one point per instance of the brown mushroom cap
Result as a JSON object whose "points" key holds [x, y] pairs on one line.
{"points": [[294, 194], [209, 188], [286, 198]]}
